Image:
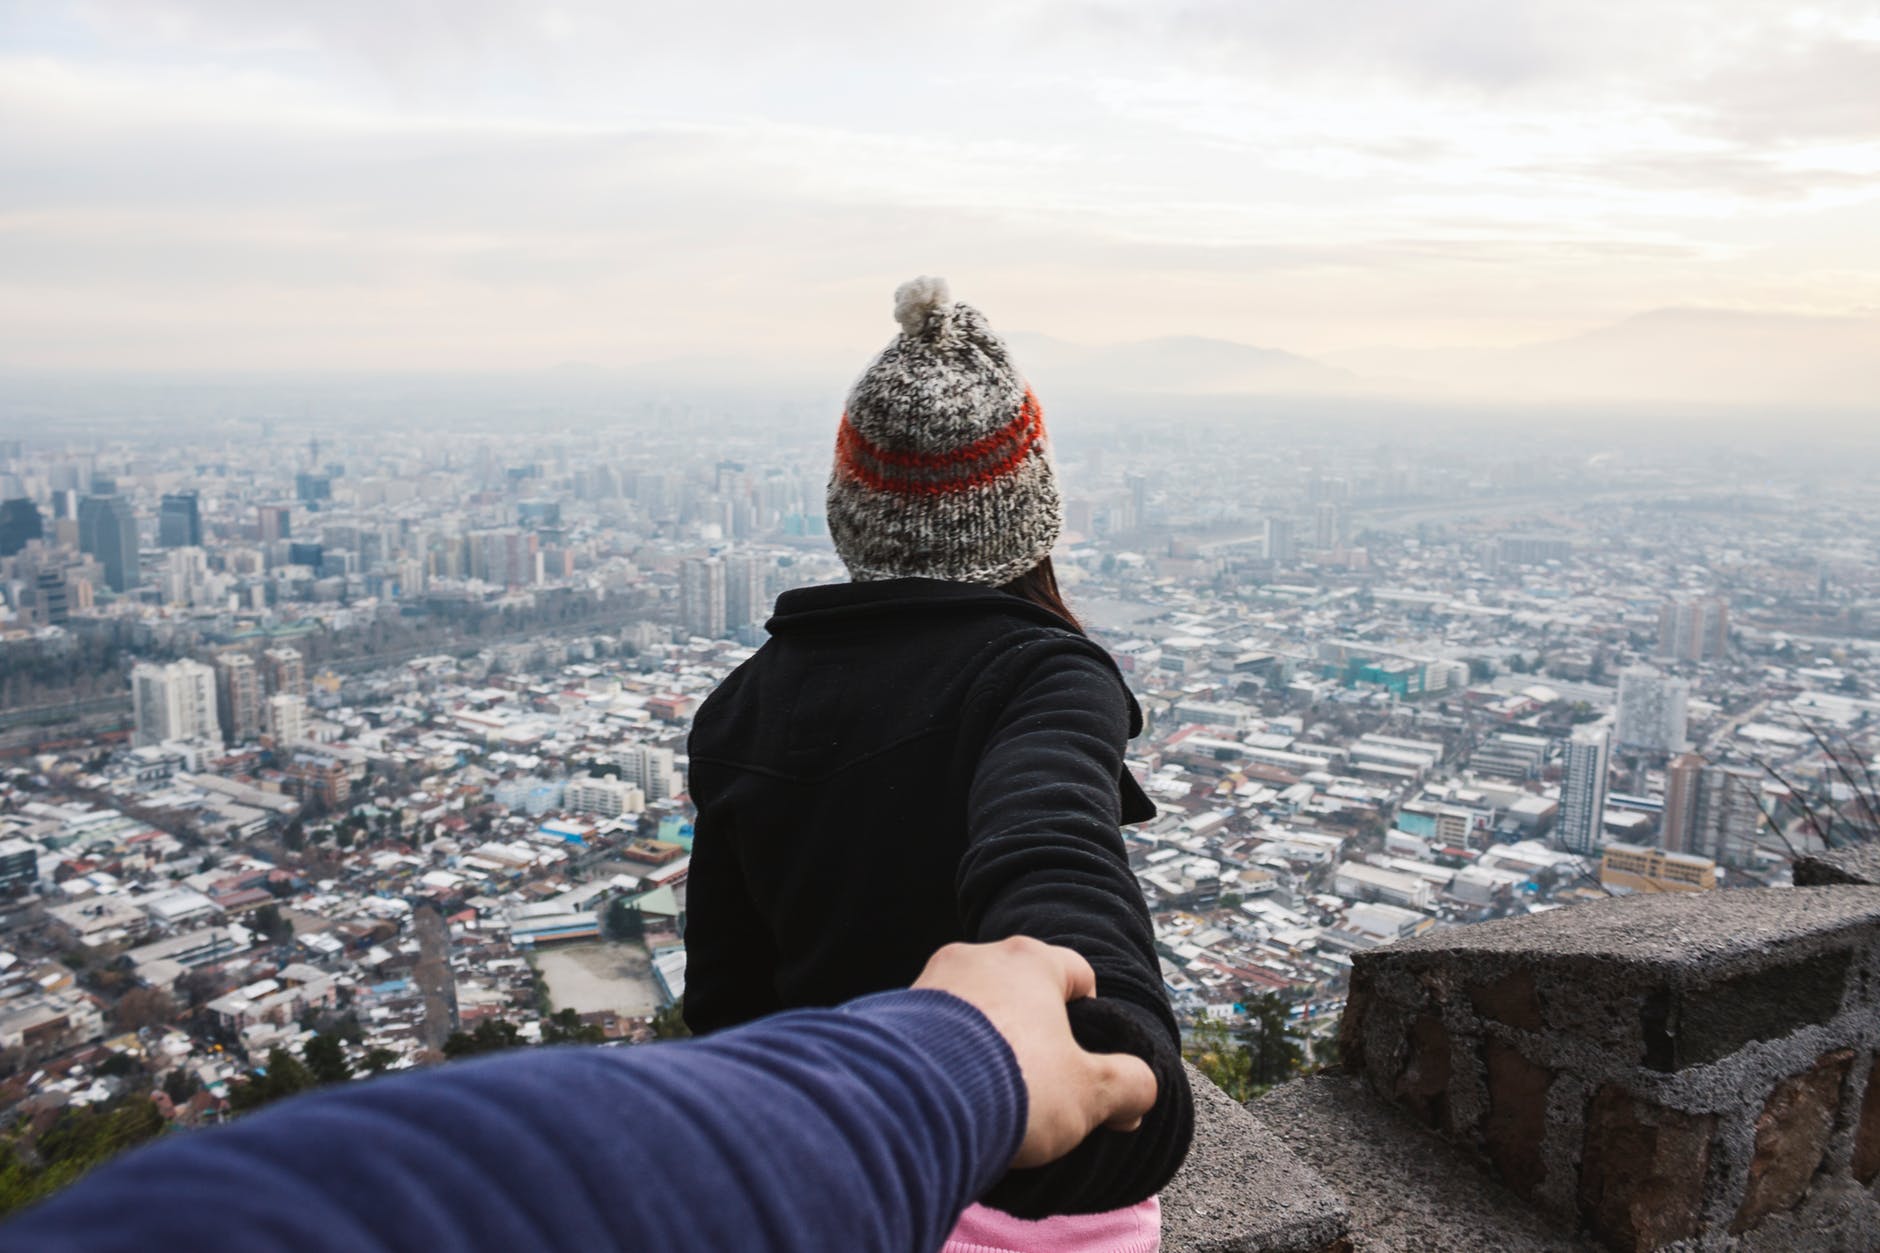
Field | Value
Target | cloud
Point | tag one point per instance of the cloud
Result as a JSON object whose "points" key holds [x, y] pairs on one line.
{"points": [[479, 181], [1798, 90]]}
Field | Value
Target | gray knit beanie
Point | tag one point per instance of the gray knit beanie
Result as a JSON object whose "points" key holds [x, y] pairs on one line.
{"points": [[942, 469]]}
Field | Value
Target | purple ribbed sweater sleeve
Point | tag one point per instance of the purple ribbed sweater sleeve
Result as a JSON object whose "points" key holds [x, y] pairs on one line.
{"points": [[862, 1128]]}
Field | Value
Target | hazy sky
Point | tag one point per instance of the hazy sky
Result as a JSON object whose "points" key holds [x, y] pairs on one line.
{"points": [[445, 183]]}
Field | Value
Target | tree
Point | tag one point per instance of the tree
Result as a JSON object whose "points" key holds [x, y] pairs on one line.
{"points": [[118, 1066], [269, 922], [566, 1027], [624, 921], [326, 1059], [492, 1035], [200, 986], [1227, 1065], [377, 1061], [1274, 1056], [179, 1085], [82, 1137], [143, 1007], [669, 1023], [283, 1076]]}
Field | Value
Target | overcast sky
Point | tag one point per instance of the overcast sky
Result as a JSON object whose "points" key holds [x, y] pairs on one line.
{"points": [[475, 183]]}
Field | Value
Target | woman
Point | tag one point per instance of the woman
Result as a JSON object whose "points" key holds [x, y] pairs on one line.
{"points": [[934, 752]]}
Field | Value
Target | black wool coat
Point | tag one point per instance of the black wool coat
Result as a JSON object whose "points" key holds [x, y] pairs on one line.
{"points": [[912, 762]]}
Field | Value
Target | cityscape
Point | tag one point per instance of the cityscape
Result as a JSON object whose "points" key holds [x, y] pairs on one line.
{"points": [[322, 745], [1456, 422]]}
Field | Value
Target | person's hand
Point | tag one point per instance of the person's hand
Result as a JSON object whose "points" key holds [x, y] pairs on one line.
{"points": [[1021, 985]]}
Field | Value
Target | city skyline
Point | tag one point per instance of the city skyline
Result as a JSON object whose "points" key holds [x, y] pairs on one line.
{"points": [[1406, 198]]}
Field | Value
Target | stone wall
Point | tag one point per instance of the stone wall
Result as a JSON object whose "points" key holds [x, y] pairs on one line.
{"points": [[1857, 864], [1653, 1069]]}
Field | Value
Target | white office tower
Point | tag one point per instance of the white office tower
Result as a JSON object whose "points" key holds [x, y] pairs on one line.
{"points": [[174, 702], [651, 770], [287, 719], [1583, 794], [1652, 710], [186, 579], [602, 796]]}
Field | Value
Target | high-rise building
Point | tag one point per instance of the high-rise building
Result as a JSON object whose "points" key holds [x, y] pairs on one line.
{"points": [[287, 719], [185, 579], [20, 524], [599, 795], [107, 529], [312, 488], [174, 702], [286, 671], [505, 557], [1652, 710], [52, 600], [238, 696], [1583, 792], [1138, 485], [274, 522], [747, 596], [702, 597], [651, 770], [1331, 527], [1678, 834], [1280, 544], [1728, 814], [179, 521], [1694, 629]]}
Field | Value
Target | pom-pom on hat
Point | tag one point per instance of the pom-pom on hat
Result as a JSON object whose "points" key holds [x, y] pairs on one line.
{"points": [[942, 468]]}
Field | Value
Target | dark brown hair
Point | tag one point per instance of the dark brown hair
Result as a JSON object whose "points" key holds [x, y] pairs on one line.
{"points": [[1039, 585]]}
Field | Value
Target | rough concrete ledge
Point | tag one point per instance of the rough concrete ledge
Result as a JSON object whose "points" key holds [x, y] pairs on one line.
{"points": [[1660, 1069], [1243, 1191], [1711, 931], [1857, 865], [1408, 1191]]}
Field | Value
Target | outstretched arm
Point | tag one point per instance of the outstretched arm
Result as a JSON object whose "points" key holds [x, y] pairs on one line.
{"points": [[867, 1128], [1045, 859]]}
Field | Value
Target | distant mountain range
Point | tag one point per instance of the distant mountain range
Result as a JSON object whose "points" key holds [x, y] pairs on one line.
{"points": [[1669, 356], [1187, 365], [1708, 358], [1675, 356]]}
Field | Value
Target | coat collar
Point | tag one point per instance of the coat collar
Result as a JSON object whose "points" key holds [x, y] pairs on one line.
{"points": [[832, 604]]}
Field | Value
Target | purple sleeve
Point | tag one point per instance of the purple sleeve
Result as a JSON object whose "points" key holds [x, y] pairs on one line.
{"points": [[868, 1128]]}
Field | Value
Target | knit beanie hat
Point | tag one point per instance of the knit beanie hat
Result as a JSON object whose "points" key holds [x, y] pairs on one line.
{"points": [[942, 469]]}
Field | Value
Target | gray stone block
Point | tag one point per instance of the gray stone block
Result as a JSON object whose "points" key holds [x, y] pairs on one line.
{"points": [[1859, 864], [1407, 1190], [1659, 1068], [1242, 1190]]}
